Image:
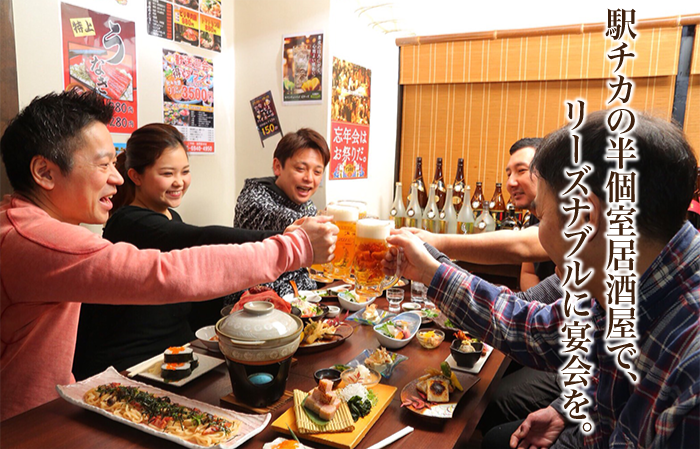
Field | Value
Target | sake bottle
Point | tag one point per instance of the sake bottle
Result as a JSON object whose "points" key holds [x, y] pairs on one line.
{"points": [[431, 212], [459, 187], [420, 184], [448, 215], [398, 211], [465, 218], [477, 198], [439, 183], [484, 222], [510, 222], [414, 213], [497, 205]]}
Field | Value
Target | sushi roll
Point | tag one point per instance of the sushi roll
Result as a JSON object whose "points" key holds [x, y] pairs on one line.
{"points": [[194, 363], [175, 371], [177, 354]]}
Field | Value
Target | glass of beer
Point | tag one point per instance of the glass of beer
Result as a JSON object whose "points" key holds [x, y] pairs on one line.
{"points": [[370, 249], [345, 217], [361, 205]]}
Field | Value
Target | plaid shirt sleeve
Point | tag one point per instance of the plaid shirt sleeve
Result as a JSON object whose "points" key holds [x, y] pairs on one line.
{"points": [[527, 331]]}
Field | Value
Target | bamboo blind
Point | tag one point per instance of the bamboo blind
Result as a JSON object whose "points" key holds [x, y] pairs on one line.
{"points": [[538, 58], [474, 96], [691, 124]]}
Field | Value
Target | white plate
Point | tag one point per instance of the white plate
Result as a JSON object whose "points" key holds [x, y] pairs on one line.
{"points": [[206, 364], [309, 295], [251, 425], [477, 366], [343, 287]]}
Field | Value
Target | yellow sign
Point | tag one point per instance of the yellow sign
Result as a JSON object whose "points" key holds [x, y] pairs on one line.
{"points": [[82, 27], [187, 18], [210, 25]]}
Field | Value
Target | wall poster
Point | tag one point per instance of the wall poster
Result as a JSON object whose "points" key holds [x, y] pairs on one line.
{"points": [[265, 114], [99, 53], [350, 104], [194, 22], [188, 98], [302, 69]]}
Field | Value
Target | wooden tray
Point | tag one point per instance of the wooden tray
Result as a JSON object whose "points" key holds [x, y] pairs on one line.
{"points": [[346, 440]]}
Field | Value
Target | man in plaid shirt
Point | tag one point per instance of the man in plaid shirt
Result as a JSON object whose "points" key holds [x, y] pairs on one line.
{"points": [[660, 410]]}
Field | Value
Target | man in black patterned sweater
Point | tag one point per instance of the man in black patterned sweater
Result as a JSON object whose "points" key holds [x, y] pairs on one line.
{"points": [[275, 202]]}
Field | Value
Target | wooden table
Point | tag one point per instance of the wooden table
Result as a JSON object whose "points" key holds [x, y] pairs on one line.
{"points": [[59, 424]]}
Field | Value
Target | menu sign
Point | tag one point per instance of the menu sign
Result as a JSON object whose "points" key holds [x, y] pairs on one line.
{"points": [[195, 22], [160, 19], [265, 114], [350, 101], [99, 53], [188, 98], [302, 68]]}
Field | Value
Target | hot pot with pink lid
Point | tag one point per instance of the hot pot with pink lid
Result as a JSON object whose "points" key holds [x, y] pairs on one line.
{"points": [[258, 342]]}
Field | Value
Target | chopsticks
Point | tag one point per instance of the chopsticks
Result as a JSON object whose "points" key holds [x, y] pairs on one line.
{"points": [[390, 439], [145, 365]]}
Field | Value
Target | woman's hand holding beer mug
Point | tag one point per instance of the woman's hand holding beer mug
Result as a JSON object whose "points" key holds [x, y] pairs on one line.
{"points": [[409, 256]]}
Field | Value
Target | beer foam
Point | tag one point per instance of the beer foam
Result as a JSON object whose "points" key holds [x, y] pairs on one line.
{"points": [[358, 204], [371, 228], [343, 213]]}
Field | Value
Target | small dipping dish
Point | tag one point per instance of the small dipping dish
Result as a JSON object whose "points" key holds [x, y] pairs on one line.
{"points": [[331, 374], [333, 311], [410, 306]]}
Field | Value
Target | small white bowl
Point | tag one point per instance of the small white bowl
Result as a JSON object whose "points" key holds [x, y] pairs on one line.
{"points": [[410, 306], [413, 319], [350, 305], [205, 335], [309, 295], [333, 311], [340, 288]]}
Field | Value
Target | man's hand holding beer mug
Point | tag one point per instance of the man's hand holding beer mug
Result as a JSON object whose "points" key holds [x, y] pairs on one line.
{"points": [[371, 250], [409, 258]]}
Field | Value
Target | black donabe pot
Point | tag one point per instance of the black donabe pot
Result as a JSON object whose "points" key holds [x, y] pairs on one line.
{"points": [[258, 343]]}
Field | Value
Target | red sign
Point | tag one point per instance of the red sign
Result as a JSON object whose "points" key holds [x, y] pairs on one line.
{"points": [[99, 53], [349, 150]]}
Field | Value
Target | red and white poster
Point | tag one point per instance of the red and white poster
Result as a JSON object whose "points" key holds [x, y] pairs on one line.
{"points": [[350, 105], [99, 53], [188, 98]]}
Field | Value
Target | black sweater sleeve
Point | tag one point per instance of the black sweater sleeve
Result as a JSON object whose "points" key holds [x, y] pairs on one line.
{"points": [[148, 229]]}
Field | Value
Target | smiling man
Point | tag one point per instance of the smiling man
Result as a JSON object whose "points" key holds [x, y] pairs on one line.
{"points": [[60, 159], [272, 203]]}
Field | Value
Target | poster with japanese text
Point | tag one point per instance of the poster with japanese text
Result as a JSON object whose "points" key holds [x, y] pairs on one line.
{"points": [[302, 69], [195, 22], [99, 53], [265, 114], [350, 104], [188, 98]]}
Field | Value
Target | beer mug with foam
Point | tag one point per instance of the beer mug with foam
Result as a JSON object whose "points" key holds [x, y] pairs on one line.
{"points": [[345, 217], [361, 205], [370, 249]]}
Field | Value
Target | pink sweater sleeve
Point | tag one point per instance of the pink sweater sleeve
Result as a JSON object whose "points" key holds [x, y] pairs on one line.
{"points": [[68, 263]]}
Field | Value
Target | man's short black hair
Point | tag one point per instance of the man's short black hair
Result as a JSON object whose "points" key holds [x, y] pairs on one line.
{"points": [[51, 126], [666, 168], [525, 142], [299, 140]]}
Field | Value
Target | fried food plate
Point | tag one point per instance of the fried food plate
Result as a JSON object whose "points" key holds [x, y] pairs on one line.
{"points": [[342, 333]]}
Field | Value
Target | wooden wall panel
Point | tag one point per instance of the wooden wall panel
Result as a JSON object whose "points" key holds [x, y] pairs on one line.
{"points": [[692, 110], [480, 121]]}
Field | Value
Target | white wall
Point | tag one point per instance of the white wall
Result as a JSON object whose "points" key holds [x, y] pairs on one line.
{"points": [[259, 27], [37, 23]]}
